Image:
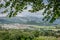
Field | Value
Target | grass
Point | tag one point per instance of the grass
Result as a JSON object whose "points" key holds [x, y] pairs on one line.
{"points": [[46, 38], [15, 34], [46, 27]]}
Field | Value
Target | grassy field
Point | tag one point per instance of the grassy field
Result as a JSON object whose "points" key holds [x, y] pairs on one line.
{"points": [[46, 38], [47, 27], [45, 33], [17, 34]]}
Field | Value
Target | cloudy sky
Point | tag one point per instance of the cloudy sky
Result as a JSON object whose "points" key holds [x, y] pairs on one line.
{"points": [[25, 13]]}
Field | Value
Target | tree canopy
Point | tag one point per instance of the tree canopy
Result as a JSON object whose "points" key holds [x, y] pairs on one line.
{"points": [[51, 10]]}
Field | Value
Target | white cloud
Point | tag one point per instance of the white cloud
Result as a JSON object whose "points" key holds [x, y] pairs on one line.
{"points": [[3, 15], [26, 13]]}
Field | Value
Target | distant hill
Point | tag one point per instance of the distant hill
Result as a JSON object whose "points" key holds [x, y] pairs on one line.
{"points": [[24, 20]]}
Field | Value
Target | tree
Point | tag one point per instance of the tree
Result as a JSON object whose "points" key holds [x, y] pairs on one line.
{"points": [[51, 12]]}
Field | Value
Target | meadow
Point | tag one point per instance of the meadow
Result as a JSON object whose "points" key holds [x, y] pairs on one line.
{"points": [[40, 33]]}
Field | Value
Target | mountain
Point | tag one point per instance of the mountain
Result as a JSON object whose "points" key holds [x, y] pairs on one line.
{"points": [[19, 19], [32, 20]]}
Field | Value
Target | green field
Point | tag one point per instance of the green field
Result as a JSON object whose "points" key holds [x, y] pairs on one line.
{"points": [[46, 38], [47, 27], [17, 34], [40, 33]]}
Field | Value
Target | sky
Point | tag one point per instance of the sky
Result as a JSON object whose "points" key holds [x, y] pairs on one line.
{"points": [[25, 12]]}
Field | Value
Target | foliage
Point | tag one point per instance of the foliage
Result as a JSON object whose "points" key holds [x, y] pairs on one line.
{"points": [[19, 5], [52, 10]]}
